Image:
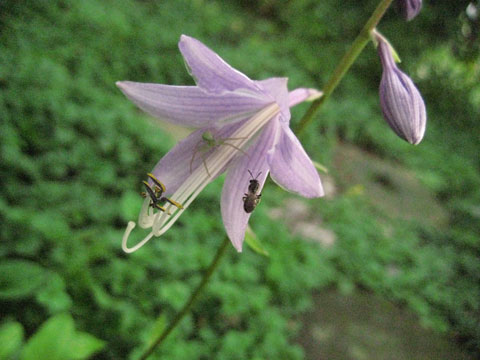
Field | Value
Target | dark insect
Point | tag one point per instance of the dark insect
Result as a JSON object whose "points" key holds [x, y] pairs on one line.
{"points": [[251, 199], [156, 192]]}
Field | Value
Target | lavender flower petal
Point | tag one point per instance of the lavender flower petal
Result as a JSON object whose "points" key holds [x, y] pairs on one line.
{"points": [[210, 71], [402, 104], [189, 105], [277, 88], [300, 95], [291, 167], [235, 219]]}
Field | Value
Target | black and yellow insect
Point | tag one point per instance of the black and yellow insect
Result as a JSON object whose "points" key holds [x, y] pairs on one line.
{"points": [[156, 192]]}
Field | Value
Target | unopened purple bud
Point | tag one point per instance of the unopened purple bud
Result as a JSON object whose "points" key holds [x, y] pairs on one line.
{"points": [[409, 8], [401, 102]]}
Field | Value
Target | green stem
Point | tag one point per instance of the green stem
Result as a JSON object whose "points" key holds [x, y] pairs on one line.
{"points": [[348, 59], [216, 260]]}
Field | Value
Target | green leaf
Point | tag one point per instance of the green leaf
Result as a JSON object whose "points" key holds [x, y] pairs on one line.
{"points": [[11, 338], [85, 345], [53, 295], [252, 240], [57, 340], [52, 341], [20, 278]]}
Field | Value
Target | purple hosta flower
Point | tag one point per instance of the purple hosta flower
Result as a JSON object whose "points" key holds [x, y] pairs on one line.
{"points": [[242, 125], [409, 8], [401, 102]]}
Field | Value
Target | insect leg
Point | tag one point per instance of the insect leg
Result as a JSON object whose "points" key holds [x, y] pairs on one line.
{"points": [[157, 182], [206, 168], [193, 156], [150, 191], [191, 161], [173, 202], [235, 138], [161, 208], [236, 148]]}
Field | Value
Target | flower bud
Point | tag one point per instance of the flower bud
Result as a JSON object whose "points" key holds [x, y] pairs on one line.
{"points": [[409, 8], [402, 105]]}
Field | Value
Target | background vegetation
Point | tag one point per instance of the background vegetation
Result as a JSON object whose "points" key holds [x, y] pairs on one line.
{"points": [[74, 151]]}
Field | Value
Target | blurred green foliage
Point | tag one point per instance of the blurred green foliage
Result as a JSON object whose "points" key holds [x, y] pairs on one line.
{"points": [[74, 151]]}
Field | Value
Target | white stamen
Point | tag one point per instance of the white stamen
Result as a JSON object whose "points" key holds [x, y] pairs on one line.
{"points": [[130, 227], [145, 219], [161, 221]]}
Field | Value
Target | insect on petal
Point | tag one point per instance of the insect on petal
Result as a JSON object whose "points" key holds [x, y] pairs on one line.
{"points": [[235, 219]]}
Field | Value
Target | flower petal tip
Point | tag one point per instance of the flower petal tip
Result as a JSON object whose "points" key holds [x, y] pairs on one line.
{"points": [[124, 86], [315, 192], [314, 94], [321, 191], [184, 40], [415, 141], [238, 246]]}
